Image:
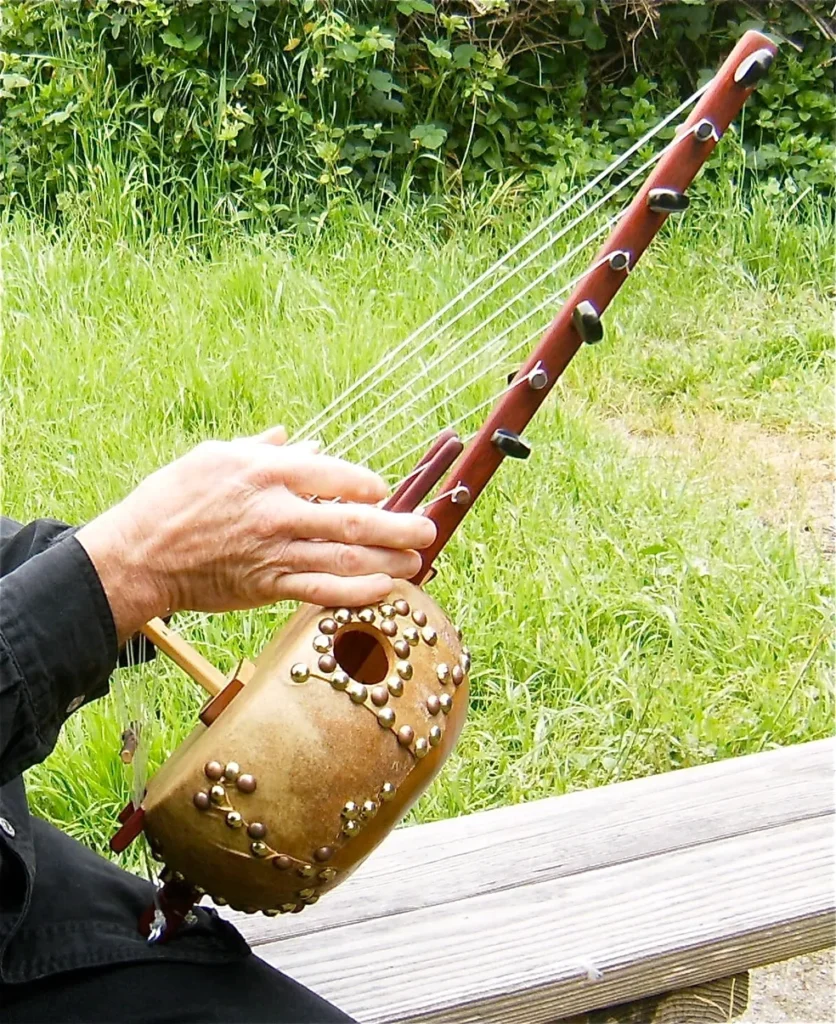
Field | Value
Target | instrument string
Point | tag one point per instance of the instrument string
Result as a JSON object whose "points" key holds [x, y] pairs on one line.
{"points": [[372, 377]]}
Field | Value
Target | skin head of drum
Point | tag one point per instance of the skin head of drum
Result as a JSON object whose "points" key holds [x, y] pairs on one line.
{"points": [[349, 716]]}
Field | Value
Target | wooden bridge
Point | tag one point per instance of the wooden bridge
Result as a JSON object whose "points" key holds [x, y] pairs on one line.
{"points": [[644, 901]]}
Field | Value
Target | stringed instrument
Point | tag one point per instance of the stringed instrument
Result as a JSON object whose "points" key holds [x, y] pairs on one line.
{"points": [[302, 763]]}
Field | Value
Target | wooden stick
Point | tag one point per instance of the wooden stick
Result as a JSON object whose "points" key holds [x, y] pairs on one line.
{"points": [[183, 654]]}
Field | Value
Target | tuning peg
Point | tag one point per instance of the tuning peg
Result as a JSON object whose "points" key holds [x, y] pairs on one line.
{"points": [[587, 322], [754, 67], [510, 444], [667, 200]]}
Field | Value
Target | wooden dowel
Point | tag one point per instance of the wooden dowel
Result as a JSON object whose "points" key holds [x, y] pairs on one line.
{"points": [[183, 654], [436, 446]]}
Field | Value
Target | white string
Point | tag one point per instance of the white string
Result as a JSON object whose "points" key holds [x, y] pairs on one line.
{"points": [[342, 402]]}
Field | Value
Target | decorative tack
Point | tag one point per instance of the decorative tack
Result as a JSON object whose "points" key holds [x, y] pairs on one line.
{"points": [[327, 663], [358, 693], [351, 828], [340, 680], [260, 849], [402, 607], [350, 811], [272, 912], [256, 830], [395, 687], [419, 617], [429, 636], [435, 735], [369, 809], [366, 615], [323, 854], [446, 702], [232, 771], [457, 675], [342, 616], [433, 704], [322, 643], [234, 820], [389, 627], [404, 669], [250, 910], [379, 695], [421, 747], [386, 717], [219, 901], [442, 672], [287, 908], [306, 893], [306, 871], [406, 734], [387, 611], [246, 783], [213, 770], [217, 794], [311, 900], [327, 875], [401, 648], [387, 792], [299, 673], [201, 801], [282, 862], [465, 659], [328, 626], [411, 635]]}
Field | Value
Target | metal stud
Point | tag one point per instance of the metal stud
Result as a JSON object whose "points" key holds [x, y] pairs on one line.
{"points": [[299, 673], [323, 854], [388, 627], [201, 801], [358, 693], [322, 643], [387, 611], [460, 495], [306, 871], [246, 783], [232, 771], [386, 717], [435, 736], [287, 908], [260, 849], [411, 635], [619, 259], [340, 680], [419, 617], [404, 669], [327, 663], [442, 672], [433, 704], [306, 893], [213, 770], [350, 811], [234, 820], [401, 648], [366, 615], [395, 687], [457, 675], [351, 828], [219, 901], [446, 702], [327, 875], [369, 809], [342, 616], [402, 607], [387, 792], [667, 200], [406, 734], [328, 626], [272, 912], [217, 794], [754, 67], [421, 747], [464, 660], [587, 322], [429, 636], [282, 862], [256, 830], [379, 695]]}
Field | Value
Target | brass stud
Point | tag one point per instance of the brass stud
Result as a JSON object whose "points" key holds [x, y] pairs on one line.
{"points": [[250, 910], [411, 635], [366, 615], [358, 693], [429, 636], [389, 627], [419, 617], [386, 717], [256, 830], [322, 643], [342, 616], [369, 809], [213, 770], [306, 893], [287, 908], [379, 695], [311, 900], [306, 871], [298, 908], [404, 669], [219, 901], [446, 702], [457, 675], [329, 626], [260, 849], [201, 801], [350, 811], [402, 607], [327, 663], [435, 736], [282, 862], [217, 794], [299, 673], [433, 704], [234, 820], [421, 747], [351, 828], [395, 687], [323, 854], [442, 671], [327, 875], [387, 611], [401, 648], [387, 791], [465, 659], [232, 771], [246, 783], [340, 680], [272, 912], [406, 734]]}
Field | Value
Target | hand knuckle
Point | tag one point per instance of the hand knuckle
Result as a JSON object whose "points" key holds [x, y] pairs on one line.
{"points": [[353, 526]]}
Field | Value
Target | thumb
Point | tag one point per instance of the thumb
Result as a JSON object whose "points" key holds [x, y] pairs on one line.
{"points": [[275, 435]]}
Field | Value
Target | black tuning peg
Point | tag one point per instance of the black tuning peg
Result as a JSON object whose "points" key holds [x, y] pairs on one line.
{"points": [[510, 444], [587, 322], [667, 200], [753, 68]]}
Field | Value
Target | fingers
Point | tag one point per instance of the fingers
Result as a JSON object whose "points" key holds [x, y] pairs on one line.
{"points": [[366, 525], [328, 590], [351, 559], [275, 435], [302, 471]]}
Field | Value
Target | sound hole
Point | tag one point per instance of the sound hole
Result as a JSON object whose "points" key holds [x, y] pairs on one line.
{"points": [[361, 655]]}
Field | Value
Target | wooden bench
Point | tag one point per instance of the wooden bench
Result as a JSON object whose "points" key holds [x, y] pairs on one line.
{"points": [[652, 898]]}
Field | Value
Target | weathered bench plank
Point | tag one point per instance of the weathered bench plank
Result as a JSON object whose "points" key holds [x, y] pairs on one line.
{"points": [[579, 902]]}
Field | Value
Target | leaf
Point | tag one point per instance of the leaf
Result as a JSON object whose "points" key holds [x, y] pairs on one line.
{"points": [[192, 43], [15, 81], [463, 55], [481, 144], [381, 80], [172, 39], [428, 135], [257, 79], [158, 115], [292, 44], [594, 37], [347, 52], [438, 50]]}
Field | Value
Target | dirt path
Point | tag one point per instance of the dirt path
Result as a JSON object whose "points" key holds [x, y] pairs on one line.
{"points": [[797, 991]]}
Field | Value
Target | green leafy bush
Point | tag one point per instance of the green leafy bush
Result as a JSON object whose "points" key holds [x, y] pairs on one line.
{"points": [[267, 109]]}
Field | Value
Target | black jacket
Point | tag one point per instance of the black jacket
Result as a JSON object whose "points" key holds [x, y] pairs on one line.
{"points": [[62, 906]]}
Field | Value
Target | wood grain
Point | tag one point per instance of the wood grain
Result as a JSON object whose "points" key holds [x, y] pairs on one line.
{"points": [[713, 1003]]}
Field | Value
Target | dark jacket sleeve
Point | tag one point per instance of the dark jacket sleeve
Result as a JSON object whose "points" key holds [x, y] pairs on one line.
{"points": [[57, 639]]}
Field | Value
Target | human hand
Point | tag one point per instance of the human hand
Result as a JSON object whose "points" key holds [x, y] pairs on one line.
{"points": [[228, 526]]}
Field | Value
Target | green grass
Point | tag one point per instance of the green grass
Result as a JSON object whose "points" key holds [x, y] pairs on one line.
{"points": [[631, 609]]}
